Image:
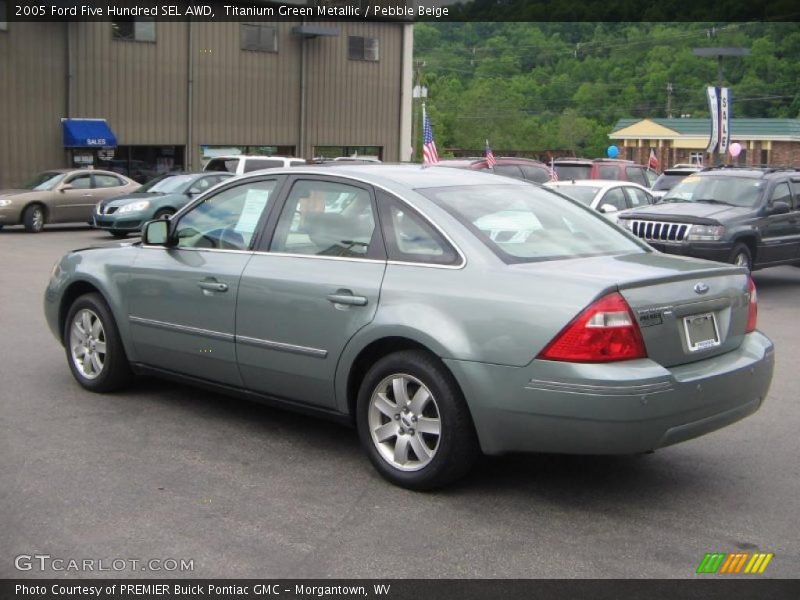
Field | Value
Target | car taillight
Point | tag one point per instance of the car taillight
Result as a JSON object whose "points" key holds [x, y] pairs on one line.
{"points": [[752, 307], [606, 331]]}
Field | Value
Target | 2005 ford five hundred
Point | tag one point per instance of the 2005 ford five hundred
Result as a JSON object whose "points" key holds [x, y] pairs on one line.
{"points": [[445, 313]]}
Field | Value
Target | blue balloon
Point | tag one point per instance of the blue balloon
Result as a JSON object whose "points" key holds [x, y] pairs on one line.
{"points": [[613, 151]]}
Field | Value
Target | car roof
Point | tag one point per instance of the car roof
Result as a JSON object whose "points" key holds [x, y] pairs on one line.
{"points": [[408, 175], [595, 183], [237, 156]]}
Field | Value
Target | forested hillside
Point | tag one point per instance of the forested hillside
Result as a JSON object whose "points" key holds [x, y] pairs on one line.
{"points": [[562, 86]]}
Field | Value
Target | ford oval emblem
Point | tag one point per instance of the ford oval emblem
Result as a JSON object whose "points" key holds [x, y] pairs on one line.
{"points": [[700, 288]]}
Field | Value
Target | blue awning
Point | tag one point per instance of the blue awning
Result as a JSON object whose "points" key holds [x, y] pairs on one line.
{"points": [[88, 133]]}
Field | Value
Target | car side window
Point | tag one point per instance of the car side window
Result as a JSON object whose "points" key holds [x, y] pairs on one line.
{"points": [[325, 218], [781, 193], [201, 185], [537, 174], [638, 197], [615, 197], [508, 171], [409, 237], [80, 182], [106, 181], [227, 220], [636, 175]]}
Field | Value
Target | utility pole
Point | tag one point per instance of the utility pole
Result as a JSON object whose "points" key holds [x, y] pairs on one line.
{"points": [[418, 92], [669, 100]]}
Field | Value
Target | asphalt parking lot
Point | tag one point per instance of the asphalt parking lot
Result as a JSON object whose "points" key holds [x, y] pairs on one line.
{"points": [[165, 471]]}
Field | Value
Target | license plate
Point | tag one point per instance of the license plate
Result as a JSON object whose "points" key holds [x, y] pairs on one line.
{"points": [[701, 331]]}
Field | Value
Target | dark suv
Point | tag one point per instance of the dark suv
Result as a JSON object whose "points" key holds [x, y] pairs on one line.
{"points": [[603, 168], [746, 216], [519, 168]]}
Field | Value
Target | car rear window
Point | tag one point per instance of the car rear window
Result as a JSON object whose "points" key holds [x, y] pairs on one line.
{"points": [[573, 171], [581, 193], [667, 181], [222, 164], [529, 224], [608, 172]]}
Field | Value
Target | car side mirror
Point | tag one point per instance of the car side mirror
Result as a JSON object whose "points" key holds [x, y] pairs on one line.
{"points": [[156, 233], [779, 208], [608, 208], [65, 187]]}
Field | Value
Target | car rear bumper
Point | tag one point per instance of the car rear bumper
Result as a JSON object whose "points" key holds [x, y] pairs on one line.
{"points": [[615, 408]]}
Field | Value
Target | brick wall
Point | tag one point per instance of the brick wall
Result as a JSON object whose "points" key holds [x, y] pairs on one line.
{"points": [[785, 153]]}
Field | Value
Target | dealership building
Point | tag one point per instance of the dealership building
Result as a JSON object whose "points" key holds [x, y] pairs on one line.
{"points": [[142, 97], [772, 142]]}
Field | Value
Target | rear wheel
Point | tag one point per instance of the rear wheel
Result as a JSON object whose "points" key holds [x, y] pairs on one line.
{"points": [[413, 422], [95, 353], [33, 218], [741, 257]]}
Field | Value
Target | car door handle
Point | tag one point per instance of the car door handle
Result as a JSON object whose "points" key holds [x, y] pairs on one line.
{"points": [[349, 299], [213, 286], [87, 195]]}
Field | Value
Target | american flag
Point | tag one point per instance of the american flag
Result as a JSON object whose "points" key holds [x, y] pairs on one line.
{"points": [[553, 172], [652, 163], [490, 161], [429, 154]]}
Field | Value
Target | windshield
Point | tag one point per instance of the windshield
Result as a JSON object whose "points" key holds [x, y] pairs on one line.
{"points": [[167, 184], [44, 181], [736, 191], [581, 193], [527, 224], [573, 171]]}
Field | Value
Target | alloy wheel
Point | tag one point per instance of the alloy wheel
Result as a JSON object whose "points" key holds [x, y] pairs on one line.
{"points": [[87, 342], [404, 422]]}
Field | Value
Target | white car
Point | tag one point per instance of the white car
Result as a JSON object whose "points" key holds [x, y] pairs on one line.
{"points": [[605, 196], [241, 163]]}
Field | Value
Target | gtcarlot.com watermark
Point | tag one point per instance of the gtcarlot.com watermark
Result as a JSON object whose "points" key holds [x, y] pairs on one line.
{"points": [[46, 562]]}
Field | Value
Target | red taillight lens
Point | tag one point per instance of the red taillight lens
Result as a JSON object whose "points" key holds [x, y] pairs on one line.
{"points": [[606, 331], [752, 307]]}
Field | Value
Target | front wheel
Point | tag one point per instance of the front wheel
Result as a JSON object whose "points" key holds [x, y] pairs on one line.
{"points": [[741, 257], [33, 218], [164, 212], [95, 353], [413, 422]]}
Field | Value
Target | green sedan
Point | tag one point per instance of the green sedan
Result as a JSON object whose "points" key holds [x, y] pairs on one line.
{"points": [[158, 198], [443, 313]]}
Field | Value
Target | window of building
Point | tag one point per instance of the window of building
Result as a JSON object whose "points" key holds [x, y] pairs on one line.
{"points": [[3, 17], [362, 48], [258, 37], [134, 30], [765, 157]]}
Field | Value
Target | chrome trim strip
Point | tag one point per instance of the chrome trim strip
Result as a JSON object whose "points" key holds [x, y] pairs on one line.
{"points": [[221, 250], [282, 347], [217, 335], [319, 257], [600, 390]]}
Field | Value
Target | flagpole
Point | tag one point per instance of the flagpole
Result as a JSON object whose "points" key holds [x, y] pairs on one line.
{"points": [[422, 149]]}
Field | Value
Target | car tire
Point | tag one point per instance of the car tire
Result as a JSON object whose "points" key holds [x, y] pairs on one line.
{"points": [[95, 354], [402, 394], [740, 256], [119, 234], [164, 212], [33, 218]]}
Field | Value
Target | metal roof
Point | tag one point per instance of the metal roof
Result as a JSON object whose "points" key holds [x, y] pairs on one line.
{"points": [[766, 128]]}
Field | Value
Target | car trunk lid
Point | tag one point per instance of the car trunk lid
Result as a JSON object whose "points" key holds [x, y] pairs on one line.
{"points": [[687, 309]]}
